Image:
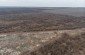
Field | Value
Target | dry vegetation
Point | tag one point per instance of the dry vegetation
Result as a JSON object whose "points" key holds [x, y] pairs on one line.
{"points": [[29, 31], [65, 45], [39, 22], [61, 42]]}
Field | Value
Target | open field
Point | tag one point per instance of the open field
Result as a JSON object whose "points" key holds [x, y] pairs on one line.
{"points": [[42, 31]]}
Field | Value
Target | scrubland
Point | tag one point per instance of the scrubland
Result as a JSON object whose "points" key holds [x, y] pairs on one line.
{"points": [[42, 31]]}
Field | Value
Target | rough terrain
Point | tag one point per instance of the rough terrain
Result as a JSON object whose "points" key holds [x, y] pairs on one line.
{"points": [[42, 31], [19, 43]]}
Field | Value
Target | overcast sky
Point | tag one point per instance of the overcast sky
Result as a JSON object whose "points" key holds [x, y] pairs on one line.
{"points": [[43, 3]]}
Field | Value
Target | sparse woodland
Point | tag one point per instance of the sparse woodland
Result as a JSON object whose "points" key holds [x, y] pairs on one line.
{"points": [[39, 22]]}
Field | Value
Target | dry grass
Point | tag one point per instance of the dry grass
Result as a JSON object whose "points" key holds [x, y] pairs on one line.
{"points": [[58, 42], [65, 45]]}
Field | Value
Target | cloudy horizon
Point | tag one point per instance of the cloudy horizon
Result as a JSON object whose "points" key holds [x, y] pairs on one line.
{"points": [[43, 3]]}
